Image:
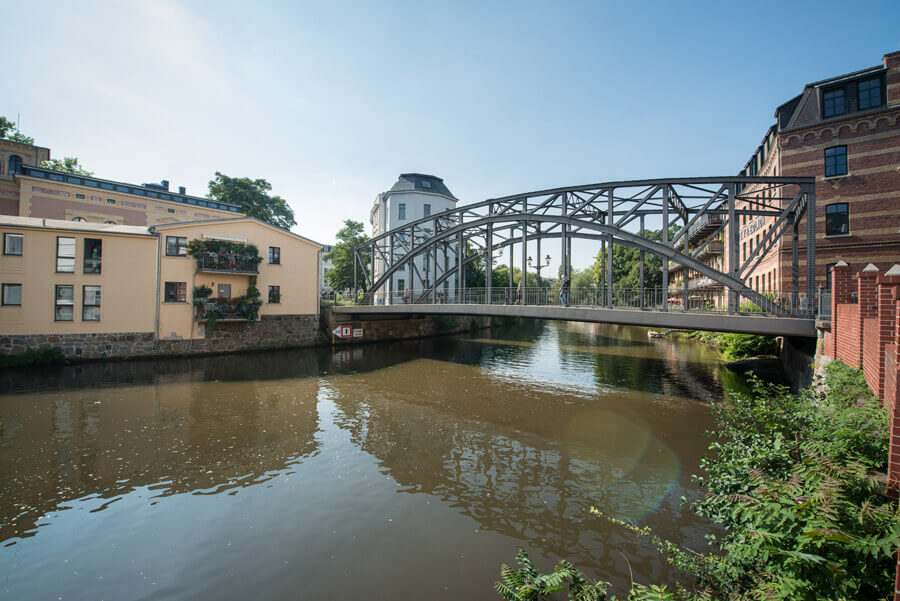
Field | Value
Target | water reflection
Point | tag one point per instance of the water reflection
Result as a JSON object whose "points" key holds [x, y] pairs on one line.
{"points": [[298, 456]]}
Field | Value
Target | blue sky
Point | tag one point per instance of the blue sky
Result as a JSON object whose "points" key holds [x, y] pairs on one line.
{"points": [[330, 101]]}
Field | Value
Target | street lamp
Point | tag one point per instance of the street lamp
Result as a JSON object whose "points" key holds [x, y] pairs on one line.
{"points": [[538, 267]]}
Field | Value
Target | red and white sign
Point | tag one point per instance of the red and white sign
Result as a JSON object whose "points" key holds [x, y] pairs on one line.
{"points": [[343, 331]]}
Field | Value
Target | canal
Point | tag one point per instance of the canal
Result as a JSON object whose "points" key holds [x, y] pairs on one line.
{"points": [[407, 470]]}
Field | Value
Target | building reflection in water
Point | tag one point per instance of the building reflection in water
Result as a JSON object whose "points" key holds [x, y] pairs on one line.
{"points": [[520, 431]]}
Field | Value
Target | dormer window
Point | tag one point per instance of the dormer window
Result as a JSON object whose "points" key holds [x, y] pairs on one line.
{"points": [[870, 93], [833, 103], [426, 183]]}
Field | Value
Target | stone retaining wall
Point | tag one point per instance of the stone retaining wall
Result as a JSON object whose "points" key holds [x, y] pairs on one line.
{"points": [[271, 331], [401, 328]]}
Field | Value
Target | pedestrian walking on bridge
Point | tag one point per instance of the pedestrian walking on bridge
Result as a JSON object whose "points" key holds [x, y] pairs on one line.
{"points": [[564, 286]]}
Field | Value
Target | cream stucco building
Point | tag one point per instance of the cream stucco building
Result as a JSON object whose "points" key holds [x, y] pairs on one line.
{"points": [[94, 265]]}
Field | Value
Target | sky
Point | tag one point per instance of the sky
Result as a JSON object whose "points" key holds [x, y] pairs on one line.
{"points": [[331, 101]]}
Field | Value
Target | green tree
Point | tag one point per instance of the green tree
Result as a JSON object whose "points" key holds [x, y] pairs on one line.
{"points": [[340, 277], [627, 267], [251, 195], [9, 131], [68, 164]]}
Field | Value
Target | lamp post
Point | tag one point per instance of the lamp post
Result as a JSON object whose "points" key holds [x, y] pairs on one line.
{"points": [[538, 268]]}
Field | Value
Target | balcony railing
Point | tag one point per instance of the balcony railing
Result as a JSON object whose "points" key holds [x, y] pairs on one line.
{"points": [[775, 302], [227, 263], [229, 309]]}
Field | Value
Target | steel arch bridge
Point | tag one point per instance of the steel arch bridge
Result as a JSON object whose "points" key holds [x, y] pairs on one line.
{"points": [[611, 213]]}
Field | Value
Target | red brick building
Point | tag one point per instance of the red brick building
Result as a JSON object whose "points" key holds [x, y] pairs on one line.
{"points": [[845, 131]]}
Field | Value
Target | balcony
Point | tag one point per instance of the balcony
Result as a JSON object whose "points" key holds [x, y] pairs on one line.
{"points": [[713, 249], [212, 262], [705, 226], [701, 283], [228, 309]]}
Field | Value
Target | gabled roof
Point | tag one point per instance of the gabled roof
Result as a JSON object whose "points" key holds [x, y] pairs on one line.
{"points": [[163, 226], [421, 182]]}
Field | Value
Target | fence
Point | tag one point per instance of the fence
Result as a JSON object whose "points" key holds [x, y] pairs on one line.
{"points": [[776, 302]]}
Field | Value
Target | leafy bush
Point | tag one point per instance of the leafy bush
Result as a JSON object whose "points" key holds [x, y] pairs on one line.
{"points": [[527, 584], [47, 356], [736, 346], [795, 483]]}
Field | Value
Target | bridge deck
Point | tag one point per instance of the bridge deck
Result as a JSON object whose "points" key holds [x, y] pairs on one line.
{"points": [[720, 322]]}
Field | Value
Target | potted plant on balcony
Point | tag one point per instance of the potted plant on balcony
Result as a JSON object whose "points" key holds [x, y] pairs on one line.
{"points": [[224, 255]]}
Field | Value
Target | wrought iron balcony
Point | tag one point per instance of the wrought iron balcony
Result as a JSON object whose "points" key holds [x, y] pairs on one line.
{"points": [[713, 249], [227, 263]]}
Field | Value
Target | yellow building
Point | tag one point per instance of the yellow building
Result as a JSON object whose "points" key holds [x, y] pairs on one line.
{"points": [[286, 276], [106, 290]]}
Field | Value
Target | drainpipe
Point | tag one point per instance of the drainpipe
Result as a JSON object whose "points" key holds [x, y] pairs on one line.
{"points": [[158, 259]]}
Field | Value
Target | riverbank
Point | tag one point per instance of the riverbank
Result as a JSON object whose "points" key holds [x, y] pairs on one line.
{"points": [[268, 333]]}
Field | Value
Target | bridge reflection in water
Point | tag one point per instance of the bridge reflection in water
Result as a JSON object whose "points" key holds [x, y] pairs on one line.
{"points": [[243, 468]]}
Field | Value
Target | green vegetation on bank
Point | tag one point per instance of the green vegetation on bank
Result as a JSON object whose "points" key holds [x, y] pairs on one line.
{"points": [[736, 346], [796, 481], [46, 356]]}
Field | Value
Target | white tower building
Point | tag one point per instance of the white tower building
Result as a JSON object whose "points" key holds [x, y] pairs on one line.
{"points": [[414, 196]]}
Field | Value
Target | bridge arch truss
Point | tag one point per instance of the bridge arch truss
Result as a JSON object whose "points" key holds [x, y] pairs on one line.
{"points": [[767, 209]]}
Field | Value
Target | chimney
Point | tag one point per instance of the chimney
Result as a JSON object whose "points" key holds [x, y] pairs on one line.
{"points": [[165, 184], [892, 77], [182, 190]]}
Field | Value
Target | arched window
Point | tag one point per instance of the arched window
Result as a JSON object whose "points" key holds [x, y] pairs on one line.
{"points": [[15, 164], [78, 219]]}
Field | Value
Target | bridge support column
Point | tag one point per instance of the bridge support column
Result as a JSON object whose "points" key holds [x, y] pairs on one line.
{"points": [[512, 285], [795, 265], [665, 239], [810, 190], [461, 267], [641, 277], [733, 248], [390, 298], [489, 261], [609, 257], [524, 262]]}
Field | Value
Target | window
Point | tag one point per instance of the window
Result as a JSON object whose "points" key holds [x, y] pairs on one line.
{"points": [[426, 183], [828, 269], [401, 286], [401, 211], [274, 294], [176, 292], [93, 250], [80, 219], [224, 291], [110, 201], [110, 222], [90, 303], [770, 280], [15, 164], [837, 219], [833, 103], [835, 161], [12, 244], [275, 255], [427, 210], [65, 303], [176, 246], [65, 255], [870, 93], [79, 196], [12, 295]]}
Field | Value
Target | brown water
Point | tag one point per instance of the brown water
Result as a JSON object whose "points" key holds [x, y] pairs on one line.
{"points": [[393, 471]]}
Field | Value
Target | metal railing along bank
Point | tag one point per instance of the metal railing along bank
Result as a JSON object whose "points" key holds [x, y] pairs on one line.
{"points": [[777, 303]]}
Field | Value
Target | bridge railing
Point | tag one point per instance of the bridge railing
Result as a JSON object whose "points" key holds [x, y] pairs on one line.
{"points": [[776, 302]]}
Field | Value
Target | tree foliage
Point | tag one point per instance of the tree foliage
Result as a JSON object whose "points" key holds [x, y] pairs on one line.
{"points": [[68, 165], [340, 277], [251, 195], [627, 267], [9, 131]]}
